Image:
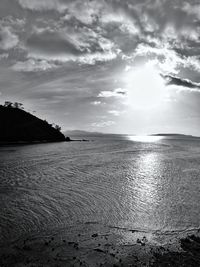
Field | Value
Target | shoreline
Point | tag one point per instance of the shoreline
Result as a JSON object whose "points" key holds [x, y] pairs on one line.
{"points": [[2, 144], [92, 244], [29, 142]]}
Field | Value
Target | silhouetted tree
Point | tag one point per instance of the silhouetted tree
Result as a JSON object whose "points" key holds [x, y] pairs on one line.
{"points": [[8, 104], [57, 127], [67, 139], [17, 105]]}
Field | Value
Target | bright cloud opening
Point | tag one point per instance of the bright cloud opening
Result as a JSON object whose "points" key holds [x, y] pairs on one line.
{"points": [[145, 87]]}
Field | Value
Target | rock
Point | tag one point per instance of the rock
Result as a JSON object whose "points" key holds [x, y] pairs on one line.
{"points": [[94, 235]]}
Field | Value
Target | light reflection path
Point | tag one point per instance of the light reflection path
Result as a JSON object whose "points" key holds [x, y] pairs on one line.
{"points": [[145, 184], [148, 175], [145, 138]]}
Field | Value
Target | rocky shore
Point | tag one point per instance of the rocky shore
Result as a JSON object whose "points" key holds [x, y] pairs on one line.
{"points": [[95, 245]]}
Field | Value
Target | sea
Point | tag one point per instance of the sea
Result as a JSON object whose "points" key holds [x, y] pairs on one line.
{"points": [[146, 183]]}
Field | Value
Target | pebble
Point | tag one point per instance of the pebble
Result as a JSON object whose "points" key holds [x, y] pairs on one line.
{"points": [[94, 235]]}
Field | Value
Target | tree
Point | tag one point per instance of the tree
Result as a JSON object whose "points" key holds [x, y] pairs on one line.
{"points": [[57, 127], [8, 104], [17, 105]]}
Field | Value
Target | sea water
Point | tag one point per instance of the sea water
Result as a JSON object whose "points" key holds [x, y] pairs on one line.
{"points": [[147, 184]]}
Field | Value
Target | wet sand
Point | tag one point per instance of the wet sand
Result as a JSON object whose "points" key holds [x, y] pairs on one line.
{"points": [[96, 245]]}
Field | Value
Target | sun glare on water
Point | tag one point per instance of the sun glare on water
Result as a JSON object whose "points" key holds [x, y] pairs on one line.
{"points": [[146, 88], [145, 138]]}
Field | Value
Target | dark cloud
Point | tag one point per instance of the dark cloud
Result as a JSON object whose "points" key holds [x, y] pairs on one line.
{"points": [[51, 43], [173, 80], [69, 43]]}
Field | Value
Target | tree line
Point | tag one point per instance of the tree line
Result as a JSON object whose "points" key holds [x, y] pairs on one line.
{"points": [[9, 104], [17, 105]]}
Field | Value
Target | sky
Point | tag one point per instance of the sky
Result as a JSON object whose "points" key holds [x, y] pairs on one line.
{"points": [[115, 66]]}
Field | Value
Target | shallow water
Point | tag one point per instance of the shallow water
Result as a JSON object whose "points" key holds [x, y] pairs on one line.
{"points": [[150, 185]]}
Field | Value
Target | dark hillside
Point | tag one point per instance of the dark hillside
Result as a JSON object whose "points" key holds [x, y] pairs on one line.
{"points": [[17, 125]]}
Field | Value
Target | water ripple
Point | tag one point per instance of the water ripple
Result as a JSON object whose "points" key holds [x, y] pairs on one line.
{"points": [[149, 187]]}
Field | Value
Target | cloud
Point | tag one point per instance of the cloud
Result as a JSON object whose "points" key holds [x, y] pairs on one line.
{"points": [[114, 112], [43, 5], [96, 103], [32, 65], [167, 58], [192, 9], [13, 22], [106, 30], [173, 80], [92, 10], [192, 62], [116, 93], [51, 44], [8, 40], [102, 124], [86, 46], [71, 8], [90, 59], [4, 56], [111, 18]]}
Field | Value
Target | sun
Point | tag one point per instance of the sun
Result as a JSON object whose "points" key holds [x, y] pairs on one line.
{"points": [[145, 87]]}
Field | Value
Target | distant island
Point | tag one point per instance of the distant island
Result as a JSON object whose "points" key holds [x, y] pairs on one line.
{"points": [[82, 133], [175, 135], [19, 126]]}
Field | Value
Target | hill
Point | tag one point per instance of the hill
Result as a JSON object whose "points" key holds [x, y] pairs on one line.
{"points": [[81, 133], [17, 125], [174, 135]]}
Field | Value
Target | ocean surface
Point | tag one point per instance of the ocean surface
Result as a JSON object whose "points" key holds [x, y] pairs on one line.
{"points": [[143, 183]]}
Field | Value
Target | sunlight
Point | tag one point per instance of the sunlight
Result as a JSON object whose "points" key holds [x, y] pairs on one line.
{"points": [[146, 88], [143, 189], [145, 138]]}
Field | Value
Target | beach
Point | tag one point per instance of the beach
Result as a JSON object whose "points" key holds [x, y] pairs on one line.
{"points": [[97, 245]]}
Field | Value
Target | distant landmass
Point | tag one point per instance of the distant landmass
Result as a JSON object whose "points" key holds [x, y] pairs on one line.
{"points": [[17, 125], [175, 135], [81, 133], [87, 133]]}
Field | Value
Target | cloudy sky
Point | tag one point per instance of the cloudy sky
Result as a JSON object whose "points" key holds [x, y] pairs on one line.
{"points": [[121, 66]]}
